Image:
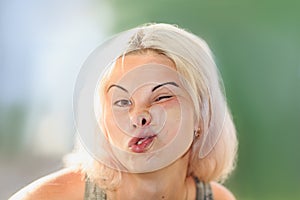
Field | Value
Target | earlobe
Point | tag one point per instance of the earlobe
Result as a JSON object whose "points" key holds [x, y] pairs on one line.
{"points": [[197, 132]]}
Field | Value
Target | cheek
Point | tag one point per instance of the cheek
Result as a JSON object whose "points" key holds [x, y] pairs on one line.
{"points": [[117, 125], [173, 110], [110, 122], [173, 120], [180, 116]]}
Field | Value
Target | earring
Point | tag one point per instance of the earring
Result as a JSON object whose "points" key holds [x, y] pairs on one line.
{"points": [[197, 133]]}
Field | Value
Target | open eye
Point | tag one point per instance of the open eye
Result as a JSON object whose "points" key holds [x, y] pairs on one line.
{"points": [[123, 103], [163, 97]]}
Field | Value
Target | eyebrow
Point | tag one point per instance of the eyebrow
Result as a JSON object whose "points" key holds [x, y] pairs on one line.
{"points": [[167, 83], [117, 86], [153, 89]]}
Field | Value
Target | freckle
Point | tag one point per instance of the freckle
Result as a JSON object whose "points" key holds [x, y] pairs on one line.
{"points": [[163, 197]]}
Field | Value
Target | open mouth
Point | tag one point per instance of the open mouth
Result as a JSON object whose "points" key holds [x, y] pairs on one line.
{"points": [[140, 145]]}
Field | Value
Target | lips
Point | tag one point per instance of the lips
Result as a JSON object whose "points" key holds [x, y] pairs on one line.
{"points": [[141, 144]]}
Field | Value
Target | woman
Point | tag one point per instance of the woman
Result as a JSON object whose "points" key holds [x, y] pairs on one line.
{"points": [[157, 127]]}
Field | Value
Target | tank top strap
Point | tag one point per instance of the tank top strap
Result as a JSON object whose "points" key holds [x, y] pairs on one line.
{"points": [[203, 190], [93, 192]]}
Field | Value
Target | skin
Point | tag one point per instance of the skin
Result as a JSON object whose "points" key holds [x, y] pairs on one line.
{"points": [[156, 104], [139, 109], [171, 182]]}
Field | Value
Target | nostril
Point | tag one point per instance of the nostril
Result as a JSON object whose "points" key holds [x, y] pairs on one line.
{"points": [[140, 120], [144, 121]]}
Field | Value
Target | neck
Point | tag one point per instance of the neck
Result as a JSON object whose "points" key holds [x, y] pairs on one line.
{"points": [[171, 182]]}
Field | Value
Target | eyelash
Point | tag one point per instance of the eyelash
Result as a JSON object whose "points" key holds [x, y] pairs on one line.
{"points": [[119, 103], [163, 97]]}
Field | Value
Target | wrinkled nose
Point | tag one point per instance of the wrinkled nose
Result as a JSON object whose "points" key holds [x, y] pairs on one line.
{"points": [[141, 119]]}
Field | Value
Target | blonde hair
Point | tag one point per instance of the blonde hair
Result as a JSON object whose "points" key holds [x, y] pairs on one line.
{"points": [[194, 61]]}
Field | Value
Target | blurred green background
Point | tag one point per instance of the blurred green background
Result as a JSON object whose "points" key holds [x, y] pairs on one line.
{"points": [[257, 49]]}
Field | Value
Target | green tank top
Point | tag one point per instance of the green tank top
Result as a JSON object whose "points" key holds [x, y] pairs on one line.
{"points": [[93, 192]]}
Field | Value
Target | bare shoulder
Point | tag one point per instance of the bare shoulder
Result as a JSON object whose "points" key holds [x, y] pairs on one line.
{"points": [[64, 184], [220, 192]]}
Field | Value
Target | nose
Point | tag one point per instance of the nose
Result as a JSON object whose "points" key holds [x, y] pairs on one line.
{"points": [[141, 119]]}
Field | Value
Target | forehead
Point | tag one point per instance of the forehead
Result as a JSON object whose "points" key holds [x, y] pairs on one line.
{"points": [[131, 63]]}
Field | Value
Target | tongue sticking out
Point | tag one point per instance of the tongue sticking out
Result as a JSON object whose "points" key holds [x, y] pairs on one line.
{"points": [[140, 145]]}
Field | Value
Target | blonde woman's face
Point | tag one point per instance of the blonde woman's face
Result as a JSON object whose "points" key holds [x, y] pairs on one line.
{"points": [[147, 109]]}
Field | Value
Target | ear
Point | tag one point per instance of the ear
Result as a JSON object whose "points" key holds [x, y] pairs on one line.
{"points": [[198, 129], [197, 133], [196, 126], [196, 122]]}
